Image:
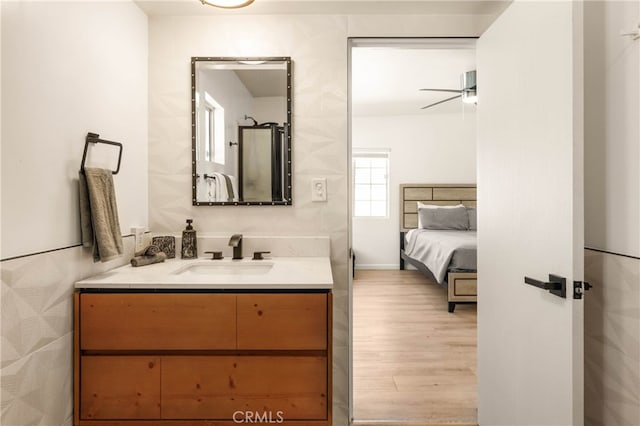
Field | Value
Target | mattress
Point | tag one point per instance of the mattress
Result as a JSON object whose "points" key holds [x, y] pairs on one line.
{"points": [[443, 250]]}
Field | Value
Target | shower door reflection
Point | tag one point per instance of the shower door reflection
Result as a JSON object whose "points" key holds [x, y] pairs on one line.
{"points": [[262, 160]]}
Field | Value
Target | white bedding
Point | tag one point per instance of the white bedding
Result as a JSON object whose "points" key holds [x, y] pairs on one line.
{"points": [[440, 250]]}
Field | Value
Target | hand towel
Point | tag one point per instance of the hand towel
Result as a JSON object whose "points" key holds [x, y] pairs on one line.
{"points": [[221, 187], [148, 260], [86, 230], [211, 189], [101, 213], [234, 187], [227, 182]]}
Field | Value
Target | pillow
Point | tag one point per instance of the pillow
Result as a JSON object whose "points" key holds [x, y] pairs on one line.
{"points": [[431, 206], [473, 219], [443, 217]]}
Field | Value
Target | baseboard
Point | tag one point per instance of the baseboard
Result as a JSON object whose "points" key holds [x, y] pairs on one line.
{"points": [[378, 266]]}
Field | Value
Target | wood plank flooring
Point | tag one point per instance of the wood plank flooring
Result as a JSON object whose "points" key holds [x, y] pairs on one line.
{"points": [[413, 362]]}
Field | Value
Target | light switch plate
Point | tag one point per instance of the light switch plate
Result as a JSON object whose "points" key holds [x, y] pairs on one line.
{"points": [[318, 189]]}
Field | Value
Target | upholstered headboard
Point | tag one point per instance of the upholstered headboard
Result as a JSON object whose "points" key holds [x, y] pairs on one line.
{"points": [[437, 194]]}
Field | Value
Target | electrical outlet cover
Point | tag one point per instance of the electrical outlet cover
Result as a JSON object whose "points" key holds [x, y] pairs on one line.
{"points": [[138, 233]]}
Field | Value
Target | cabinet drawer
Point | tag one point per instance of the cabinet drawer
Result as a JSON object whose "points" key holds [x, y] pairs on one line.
{"points": [[157, 321], [282, 321], [287, 387], [120, 387]]}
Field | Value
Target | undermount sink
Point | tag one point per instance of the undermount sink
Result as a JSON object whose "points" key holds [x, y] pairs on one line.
{"points": [[213, 267]]}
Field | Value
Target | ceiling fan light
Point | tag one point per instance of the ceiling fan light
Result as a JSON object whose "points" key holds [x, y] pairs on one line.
{"points": [[468, 80], [468, 87], [470, 96], [227, 4]]}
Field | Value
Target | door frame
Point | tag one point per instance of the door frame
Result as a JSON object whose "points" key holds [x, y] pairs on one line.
{"points": [[352, 43]]}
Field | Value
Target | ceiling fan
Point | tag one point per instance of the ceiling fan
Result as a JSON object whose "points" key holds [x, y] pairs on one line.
{"points": [[467, 91]]}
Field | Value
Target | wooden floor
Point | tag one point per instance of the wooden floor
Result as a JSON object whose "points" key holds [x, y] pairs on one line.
{"points": [[413, 362]]}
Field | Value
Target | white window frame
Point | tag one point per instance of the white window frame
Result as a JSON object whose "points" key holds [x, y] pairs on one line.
{"points": [[370, 153], [216, 132], [209, 131]]}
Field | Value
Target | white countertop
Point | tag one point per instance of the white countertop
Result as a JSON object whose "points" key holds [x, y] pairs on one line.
{"points": [[277, 273]]}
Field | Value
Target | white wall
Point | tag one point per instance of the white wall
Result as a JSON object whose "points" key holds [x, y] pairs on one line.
{"points": [[612, 214], [270, 108], [69, 69], [612, 132], [426, 148]]}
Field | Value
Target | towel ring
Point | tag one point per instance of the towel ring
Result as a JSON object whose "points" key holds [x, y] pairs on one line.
{"points": [[95, 138]]}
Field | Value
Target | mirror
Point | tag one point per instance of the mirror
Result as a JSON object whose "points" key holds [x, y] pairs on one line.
{"points": [[241, 131]]}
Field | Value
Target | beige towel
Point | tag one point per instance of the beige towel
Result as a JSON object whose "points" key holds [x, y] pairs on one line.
{"points": [[86, 230], [100, 226], [148, 260], [148, 251]]}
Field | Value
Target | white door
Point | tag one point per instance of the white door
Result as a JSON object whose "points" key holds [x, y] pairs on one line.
{"points": [[530, 215]]}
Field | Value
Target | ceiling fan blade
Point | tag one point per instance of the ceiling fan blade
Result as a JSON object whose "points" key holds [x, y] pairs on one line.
{"points": [[440, 102], [443, 90]]}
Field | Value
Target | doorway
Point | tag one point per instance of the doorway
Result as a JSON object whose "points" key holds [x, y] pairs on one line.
{"points": [[412, 361]]}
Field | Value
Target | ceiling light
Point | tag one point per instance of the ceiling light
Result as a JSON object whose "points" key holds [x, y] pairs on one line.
{"points": [[227, 4]]}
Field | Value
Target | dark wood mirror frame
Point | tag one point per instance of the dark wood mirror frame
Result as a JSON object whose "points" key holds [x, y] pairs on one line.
{"points": [[286, 128]]}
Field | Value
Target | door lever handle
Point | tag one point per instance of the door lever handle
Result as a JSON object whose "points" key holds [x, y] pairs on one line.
{"points": [[543, 285], [556, 285]]}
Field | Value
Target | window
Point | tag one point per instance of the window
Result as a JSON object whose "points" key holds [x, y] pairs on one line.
{"points": [[209, 126], [213, 130], [371, 183]]}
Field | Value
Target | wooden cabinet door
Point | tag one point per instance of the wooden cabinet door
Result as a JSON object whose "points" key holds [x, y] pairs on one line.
{"points": [[282, 321], [270, 387], [146, 321], [120, 387]]}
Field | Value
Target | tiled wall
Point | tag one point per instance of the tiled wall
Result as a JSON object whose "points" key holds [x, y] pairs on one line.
{"points": [[612, 340], [318, 47], [37, 339]]}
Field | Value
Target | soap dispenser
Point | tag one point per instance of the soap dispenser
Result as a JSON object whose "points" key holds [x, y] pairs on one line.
{"points": [[189, 242]]}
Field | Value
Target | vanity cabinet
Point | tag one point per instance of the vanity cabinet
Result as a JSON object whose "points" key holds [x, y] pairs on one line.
{"points": [[216, 358]]}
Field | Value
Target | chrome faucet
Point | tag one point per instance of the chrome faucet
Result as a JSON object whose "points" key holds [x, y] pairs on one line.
{"points": [[236, 242]]}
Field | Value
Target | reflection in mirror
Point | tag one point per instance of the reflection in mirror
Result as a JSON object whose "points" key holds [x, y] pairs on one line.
{"points": [[241, 131]]}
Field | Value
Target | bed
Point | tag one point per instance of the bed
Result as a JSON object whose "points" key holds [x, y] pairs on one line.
{"points": [[446, 256]]}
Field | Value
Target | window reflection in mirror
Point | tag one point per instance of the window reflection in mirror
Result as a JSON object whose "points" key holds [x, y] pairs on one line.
{"points": [[241, 131]]}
